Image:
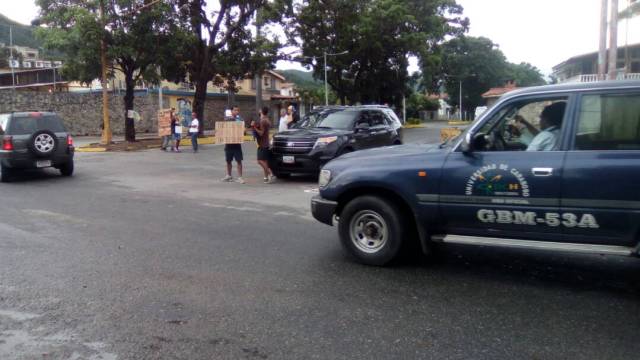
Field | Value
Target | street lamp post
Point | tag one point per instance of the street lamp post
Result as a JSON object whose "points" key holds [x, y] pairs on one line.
{"points": [[326, 88]]}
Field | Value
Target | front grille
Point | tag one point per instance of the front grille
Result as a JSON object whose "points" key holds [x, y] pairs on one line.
{"points": [[292, 146]]}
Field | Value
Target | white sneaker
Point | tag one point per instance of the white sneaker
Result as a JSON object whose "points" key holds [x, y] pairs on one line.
{"points": [[240, 180], [271, 179], [227, 179]]}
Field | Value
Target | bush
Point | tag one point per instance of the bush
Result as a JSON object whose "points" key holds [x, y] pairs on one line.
{"points": [[414, 121]]}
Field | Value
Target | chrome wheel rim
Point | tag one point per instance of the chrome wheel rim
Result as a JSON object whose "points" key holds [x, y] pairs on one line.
{"points": [[369, 231], [44, 143]]}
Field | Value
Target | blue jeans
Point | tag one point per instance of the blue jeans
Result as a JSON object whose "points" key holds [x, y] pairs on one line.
{"points": [[194, 141]]}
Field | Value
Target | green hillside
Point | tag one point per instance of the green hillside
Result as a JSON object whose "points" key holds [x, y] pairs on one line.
{"points": [[22, 34], [302, 79]]}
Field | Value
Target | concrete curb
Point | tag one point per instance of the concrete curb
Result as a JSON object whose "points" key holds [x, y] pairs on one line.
{"points": [[185, 141]]}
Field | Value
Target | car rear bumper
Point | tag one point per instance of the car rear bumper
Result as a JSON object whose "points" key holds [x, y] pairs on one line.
{"points": [[323, 210], [18, 160]]}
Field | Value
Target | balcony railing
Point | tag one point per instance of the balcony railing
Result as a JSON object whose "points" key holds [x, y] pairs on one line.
{"points": [[587, 78]]}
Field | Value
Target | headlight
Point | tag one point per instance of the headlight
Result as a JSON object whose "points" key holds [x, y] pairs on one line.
{"points": [[324, 141], [325, 178]]}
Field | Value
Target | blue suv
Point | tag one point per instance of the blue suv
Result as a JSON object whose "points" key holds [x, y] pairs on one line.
{"points": [[548, 168]]}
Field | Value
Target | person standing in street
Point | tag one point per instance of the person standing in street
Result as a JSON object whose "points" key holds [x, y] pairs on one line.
{"points": [[176, 130], [234, 151], [193, 131], [262, 131], [284, 121], [174, 122], [168, 139]]}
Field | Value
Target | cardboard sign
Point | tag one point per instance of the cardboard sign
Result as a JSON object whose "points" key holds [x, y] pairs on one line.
{"points": [[229, 132], [164, 122]]}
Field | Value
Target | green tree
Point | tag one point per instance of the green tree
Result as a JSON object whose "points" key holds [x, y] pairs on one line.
{"points": [[379, 36], [134, 32], [525, 74], [476, 65], [219, 46]]}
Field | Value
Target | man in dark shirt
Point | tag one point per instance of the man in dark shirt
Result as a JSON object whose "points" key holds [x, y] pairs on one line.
{"points": [[234, 151], [262, 130]]}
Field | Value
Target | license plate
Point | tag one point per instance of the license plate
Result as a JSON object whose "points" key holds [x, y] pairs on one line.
{"points": [[288, 159], [43, 163]]}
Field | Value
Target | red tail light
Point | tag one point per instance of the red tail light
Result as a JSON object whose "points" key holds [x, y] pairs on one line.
{"points": [[69, 140], [7, 143]]}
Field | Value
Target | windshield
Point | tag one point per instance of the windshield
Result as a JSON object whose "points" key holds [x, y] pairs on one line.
{"points": [[28, 124], [342, 120]]}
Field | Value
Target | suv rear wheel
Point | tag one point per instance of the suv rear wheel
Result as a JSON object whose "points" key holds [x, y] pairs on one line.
{"points": [[67, 169], [371, 230]]}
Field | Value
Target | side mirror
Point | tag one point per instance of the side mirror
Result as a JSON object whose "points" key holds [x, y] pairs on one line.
{"points": [[467, 144]]}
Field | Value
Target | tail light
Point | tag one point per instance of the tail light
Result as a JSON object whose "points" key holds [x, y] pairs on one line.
{"points": [[7, 143], [69, 140]]}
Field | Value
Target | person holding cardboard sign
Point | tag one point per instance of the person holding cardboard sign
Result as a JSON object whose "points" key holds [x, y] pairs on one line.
{"points": [[234, 151]]}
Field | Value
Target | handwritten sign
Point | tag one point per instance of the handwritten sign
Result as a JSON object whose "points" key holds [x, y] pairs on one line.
{"points": [[164, 122], [229, 132]]}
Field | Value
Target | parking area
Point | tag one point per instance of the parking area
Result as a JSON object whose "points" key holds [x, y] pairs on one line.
{"points": [[148, 255]]}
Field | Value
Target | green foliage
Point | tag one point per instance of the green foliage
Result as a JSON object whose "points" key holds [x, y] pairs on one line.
{"points": [[378, 35], [418, 102], [134, 32], [414, 121], [477, 63], [524, 74]]}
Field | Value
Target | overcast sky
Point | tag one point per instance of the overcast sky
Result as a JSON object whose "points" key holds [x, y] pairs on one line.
{"points": [[541, 32]]}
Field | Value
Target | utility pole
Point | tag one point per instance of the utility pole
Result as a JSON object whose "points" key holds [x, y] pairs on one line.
{"points": [[602, 53], [326, 89], [613, 41], [460, 115], [258, 75], [106, 130], [13, 74]]}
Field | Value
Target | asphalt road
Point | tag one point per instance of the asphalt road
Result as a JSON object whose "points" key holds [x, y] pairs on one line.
{"points": [[148, 255]]}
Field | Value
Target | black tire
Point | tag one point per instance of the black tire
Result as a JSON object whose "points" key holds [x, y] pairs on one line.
{"points": [[67, 169], [378, 242], [6, 174], [43, 143]]}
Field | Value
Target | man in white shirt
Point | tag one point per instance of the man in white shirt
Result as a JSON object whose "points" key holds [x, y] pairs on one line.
{"points": [[193, 131], [548, 137]]}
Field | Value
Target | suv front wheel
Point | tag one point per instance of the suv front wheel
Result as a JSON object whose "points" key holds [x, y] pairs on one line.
{"points": [[371, 230]]}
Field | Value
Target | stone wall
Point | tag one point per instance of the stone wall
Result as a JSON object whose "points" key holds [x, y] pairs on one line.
{"points": [[82, 112]]}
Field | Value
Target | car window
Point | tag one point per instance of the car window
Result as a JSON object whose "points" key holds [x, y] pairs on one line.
{"points": [[338, 120], [392, 118], [532, 125], [377, 119], [609, 122], [28, 124]]}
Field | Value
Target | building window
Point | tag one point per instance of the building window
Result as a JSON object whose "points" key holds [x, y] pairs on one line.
{"points": [[267, 81]]}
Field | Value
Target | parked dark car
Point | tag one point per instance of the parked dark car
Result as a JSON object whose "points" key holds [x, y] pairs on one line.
{"points": [[33, 140], [547, 168], [329, 132]]}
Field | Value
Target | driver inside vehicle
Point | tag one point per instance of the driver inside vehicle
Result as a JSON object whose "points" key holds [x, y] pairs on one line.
{"points": [[547, 138]]}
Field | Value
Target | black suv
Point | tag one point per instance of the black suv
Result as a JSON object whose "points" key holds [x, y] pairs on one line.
{"points": [[32, 140], [329, 132]]}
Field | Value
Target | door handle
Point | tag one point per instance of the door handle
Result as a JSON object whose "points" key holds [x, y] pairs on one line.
{"points": [[542, 171]]}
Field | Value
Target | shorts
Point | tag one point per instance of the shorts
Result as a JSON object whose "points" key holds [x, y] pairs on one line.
{"points": [[233, 152], [264, 154], [176, 136]]}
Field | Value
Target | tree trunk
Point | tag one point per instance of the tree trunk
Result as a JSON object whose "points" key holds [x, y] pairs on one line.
{"points": [[199, 99], [129, 126]]}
